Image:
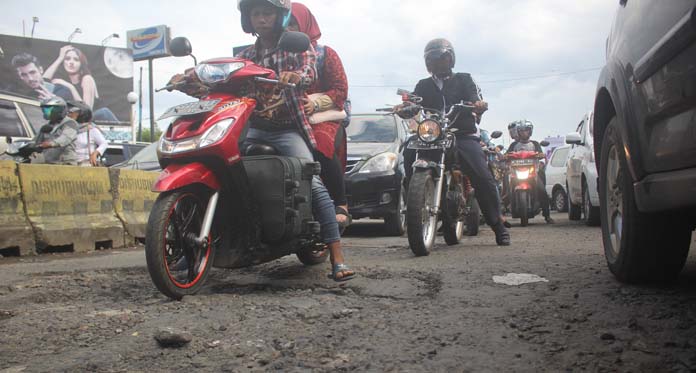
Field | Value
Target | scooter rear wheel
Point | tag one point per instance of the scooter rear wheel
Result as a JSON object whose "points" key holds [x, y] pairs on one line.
{"points": [[177, 265]]}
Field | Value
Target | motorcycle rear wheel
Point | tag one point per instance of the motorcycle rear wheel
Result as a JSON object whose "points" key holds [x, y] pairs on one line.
{"points": [[177, 266], [473, 219], [421, 221], [313, 256]]}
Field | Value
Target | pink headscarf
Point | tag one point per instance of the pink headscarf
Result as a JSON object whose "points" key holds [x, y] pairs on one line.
{"points": [[306, 21]]}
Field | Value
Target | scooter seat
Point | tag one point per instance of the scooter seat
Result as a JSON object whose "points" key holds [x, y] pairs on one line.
{"points": [[260, 149]]}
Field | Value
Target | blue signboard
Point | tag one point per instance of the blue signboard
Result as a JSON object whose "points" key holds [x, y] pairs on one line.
{"points": [[151, 42]]}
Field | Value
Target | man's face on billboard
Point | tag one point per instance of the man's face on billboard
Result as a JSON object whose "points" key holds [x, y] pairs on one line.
{"points": [[31, 75]]}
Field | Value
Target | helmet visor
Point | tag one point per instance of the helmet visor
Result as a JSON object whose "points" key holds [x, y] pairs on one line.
{"points": [[47, 110], [437, 54]]}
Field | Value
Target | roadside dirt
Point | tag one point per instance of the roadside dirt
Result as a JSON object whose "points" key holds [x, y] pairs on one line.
{"points": [[443, 312]]}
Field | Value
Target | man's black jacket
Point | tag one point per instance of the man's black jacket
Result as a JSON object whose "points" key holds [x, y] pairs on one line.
{"points": [[457, 88]]}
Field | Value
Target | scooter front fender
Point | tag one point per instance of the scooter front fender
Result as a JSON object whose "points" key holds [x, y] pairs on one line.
{"points": [[176, 176]]}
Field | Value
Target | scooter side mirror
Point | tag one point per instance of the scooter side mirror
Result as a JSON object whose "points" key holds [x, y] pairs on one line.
{"points": [[180, 47], [544, 143], [294, 42], [496, 134]]}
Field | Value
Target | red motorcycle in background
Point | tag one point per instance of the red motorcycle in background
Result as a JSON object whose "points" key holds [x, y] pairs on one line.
{"points": [[219, 206], [522, 173]]}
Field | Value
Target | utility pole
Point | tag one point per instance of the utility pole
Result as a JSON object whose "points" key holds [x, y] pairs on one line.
{"points": [[152, 102], [140, 106]]}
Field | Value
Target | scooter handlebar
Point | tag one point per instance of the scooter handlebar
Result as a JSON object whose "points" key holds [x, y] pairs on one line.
{"points": [[275, 81]]}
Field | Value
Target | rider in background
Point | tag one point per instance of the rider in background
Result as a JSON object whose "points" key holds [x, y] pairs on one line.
{"points": [[57, 138], [440, 91], [328, 96], [524, 130]]}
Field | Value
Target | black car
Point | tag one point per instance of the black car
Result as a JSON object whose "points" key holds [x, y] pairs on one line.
{"points": [[375, 169], [645, 139]]}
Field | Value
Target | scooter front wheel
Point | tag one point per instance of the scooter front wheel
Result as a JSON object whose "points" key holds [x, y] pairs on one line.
{"points": [[178, 265]]}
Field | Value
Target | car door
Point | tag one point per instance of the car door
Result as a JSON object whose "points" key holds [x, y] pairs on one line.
{"points": [[556, 171], [12, 126], [574, 168]]}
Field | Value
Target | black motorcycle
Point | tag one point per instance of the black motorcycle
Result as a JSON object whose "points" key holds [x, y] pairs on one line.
{"points": [[437, 190]]}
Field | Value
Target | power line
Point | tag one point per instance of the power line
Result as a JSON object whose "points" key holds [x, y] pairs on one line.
{"points": [[551, 75]]}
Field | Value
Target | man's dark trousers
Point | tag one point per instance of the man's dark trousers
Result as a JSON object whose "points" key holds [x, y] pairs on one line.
{"points": [[474, 164]]}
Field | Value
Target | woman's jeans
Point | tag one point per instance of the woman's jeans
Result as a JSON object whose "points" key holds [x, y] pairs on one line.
{"points": [[289, 143]]}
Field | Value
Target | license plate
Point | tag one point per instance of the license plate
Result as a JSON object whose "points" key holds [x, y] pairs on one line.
{"points": [[190, 108], [427, 146]]}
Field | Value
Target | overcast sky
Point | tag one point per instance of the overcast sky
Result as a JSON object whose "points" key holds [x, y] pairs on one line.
{"points": [[534, 59]]}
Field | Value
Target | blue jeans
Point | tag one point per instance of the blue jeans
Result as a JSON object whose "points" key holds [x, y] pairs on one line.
{"points": [[290, 144]]}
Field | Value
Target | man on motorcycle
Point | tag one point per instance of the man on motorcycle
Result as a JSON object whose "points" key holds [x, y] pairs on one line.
{"points": [[523, 142], [440, 91], [57, 138], [282, 123]]}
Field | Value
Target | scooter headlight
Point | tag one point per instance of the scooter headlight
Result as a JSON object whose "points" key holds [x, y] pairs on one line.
{"points": [[211, 136], [211, 73], [429, 130], [522, 173]]}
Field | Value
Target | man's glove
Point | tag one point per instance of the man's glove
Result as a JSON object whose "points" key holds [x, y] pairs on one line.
{"points": [[188, 83], [406, 110]]}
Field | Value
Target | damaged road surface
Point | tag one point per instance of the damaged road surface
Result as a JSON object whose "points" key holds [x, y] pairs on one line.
{"points": [[443, 312]]}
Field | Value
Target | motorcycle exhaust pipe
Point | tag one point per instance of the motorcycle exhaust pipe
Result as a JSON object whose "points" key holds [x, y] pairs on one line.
{"points": [[208, 219]]}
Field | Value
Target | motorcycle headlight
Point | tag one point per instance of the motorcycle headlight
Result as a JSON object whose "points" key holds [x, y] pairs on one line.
{"points": [[522, 173], [429, 130], [217, 72], [211, 136], [380, 163], [216, 132]]}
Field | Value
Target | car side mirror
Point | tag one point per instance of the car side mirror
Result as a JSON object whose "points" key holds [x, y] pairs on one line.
{"points": [[544, 143], [573, 138], [496, 134], [294, 42]]}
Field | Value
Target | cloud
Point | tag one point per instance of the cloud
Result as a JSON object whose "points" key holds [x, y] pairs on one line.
{"points": [[381, 43]]}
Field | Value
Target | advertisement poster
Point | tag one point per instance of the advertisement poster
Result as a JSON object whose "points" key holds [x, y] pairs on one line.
{"points": [[99, 76]]}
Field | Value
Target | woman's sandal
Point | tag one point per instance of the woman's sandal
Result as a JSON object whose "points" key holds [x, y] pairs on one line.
{"points": [[349, 219], [338, 268]]}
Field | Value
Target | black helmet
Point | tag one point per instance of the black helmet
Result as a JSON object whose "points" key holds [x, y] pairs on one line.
{"points": [[436, 48], [85, 112], [284, 6], [54, 109], [525, 126], [512, 130]]}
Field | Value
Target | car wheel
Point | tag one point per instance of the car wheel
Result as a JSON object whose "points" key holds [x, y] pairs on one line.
{"points": [[590, 213], [574, 211], [395, 223], [638, 246], [560, 200]]}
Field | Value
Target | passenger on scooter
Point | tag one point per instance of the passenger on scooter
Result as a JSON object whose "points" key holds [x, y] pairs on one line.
{"points": [[440, 91], [57, 138], [285, 126], [524, 131], [328, 96]]}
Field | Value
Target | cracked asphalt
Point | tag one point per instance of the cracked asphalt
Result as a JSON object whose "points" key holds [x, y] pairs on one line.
{"points": [[100, 311]]}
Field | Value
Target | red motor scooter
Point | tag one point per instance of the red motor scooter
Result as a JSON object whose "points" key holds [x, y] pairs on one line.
{"points": [[522, 168], [219, 206]]}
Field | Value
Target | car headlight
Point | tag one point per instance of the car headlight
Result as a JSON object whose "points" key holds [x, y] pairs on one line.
{"points": [[211, 73], [211, 136], [380, 163], [429, 130]]}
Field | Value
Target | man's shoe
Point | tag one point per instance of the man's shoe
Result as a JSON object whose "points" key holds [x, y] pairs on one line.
{"points": [[549, 220], [502, 236]]}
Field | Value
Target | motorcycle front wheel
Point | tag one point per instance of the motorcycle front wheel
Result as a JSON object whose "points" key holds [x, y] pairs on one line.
{"points": [[523, 206], [421, 220], [177, 265]]}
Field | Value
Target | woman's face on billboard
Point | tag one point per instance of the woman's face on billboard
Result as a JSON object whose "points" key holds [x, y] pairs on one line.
{"points": [[71, 63]]}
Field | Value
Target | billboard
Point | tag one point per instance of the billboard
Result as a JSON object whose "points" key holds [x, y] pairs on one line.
{"points": [[151, 42], [99, 76]]}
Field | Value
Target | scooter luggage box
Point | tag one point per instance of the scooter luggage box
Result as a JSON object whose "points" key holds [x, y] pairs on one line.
{"points": [[283, 190]]}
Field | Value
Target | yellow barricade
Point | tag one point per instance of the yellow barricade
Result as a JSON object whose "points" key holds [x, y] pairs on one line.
{"points": [[15, 230], [71, 205], [133, 199]]}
